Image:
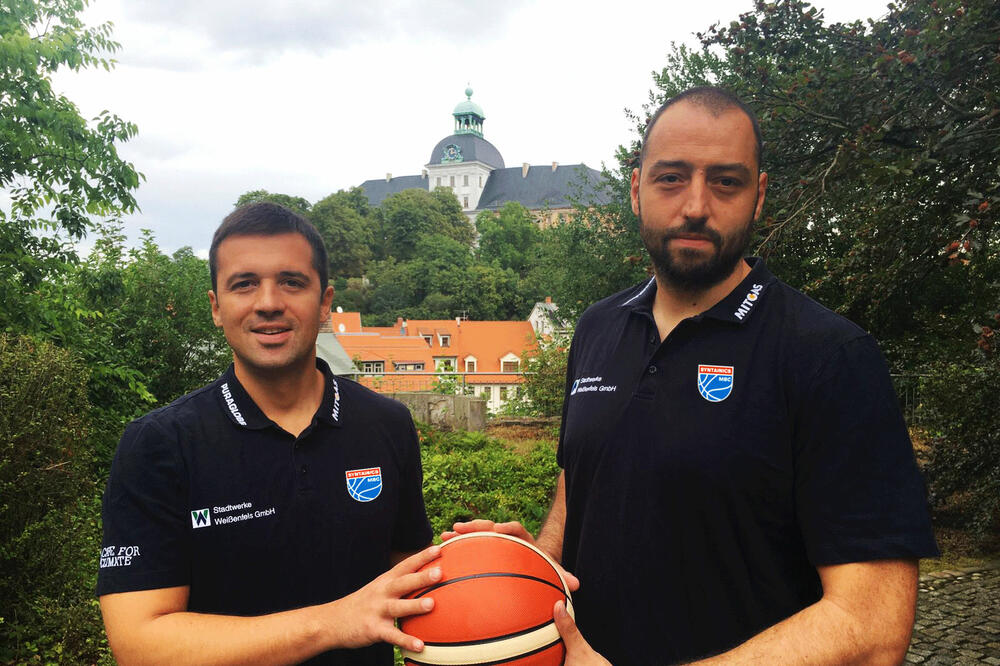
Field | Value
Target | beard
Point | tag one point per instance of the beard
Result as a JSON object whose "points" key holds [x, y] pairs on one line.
{"points": [[687, 269]]}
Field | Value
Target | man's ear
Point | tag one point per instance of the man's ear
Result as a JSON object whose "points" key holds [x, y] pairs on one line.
{"points": [[634, 190], [214, 300], [325, 303], [761, 191]]}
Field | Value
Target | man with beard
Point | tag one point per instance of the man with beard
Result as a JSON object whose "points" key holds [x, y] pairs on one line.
{"points": [[738, 483]]}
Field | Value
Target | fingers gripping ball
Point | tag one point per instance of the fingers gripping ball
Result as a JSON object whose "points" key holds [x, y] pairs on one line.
{"points": [[493, 605]]}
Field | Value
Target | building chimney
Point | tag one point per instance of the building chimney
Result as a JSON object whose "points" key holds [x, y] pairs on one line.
{"points": [[402, 327], [555, 165], [388, 177], [423, 174], [458, 322], [524, 170], [548, 300]]}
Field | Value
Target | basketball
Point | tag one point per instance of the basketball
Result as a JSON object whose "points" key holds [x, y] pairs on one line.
{"points": [[493, 605]]}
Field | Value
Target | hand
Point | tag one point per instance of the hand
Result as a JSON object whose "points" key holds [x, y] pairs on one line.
{"points": [[514, 529], [370, 613], [578, 650]]}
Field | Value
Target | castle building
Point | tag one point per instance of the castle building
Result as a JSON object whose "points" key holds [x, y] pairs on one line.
{"points": [[474, 170]]}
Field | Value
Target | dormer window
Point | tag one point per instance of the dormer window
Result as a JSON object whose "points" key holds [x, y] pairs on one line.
{"points": [[511, 366], [444, 340], [428, 339], [470, 365]]}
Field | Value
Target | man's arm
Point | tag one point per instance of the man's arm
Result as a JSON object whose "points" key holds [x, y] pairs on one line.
{"points": [[864, 617], [154, 626]]}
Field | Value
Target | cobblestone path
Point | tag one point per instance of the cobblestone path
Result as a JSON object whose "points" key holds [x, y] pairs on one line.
{"points": [[958, 618]]}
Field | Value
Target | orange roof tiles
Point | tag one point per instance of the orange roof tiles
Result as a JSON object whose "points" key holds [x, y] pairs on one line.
{"points": [[488, 342]]}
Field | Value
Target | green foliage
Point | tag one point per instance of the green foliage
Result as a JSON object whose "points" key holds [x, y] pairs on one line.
{"points": [[50, 157], [49, 509], [470, 475], [507, 236], [298, 204], [960, 411], [544, 385], [347, 233], [410, 215]]}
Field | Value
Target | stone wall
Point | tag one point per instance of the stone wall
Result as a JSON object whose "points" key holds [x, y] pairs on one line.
{"points": [[448, 412]]}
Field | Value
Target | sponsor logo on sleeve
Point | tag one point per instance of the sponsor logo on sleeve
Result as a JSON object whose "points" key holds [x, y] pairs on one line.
{"points": [[118, 556], [715, 382], [364, 485]]}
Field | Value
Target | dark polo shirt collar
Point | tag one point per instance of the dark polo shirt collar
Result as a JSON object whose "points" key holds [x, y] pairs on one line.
{"points": [[244, 412], [737, 307]]}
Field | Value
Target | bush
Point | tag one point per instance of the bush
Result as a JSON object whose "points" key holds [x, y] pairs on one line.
{"points": [[49, 509], [470, 475], [961, 415]]}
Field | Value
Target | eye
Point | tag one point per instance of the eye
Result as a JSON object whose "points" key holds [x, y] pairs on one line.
{"points": [[294, 283], [669, 178], [241, 285], [729, 182]]}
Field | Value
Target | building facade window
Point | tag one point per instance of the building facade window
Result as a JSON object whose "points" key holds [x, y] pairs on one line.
{"points": [[409, 367], [451, 181], [510, 366], [445, 341], [465, 201], [372, 366], [444, 365], [439, 181], [470, 365], [465, 180]]}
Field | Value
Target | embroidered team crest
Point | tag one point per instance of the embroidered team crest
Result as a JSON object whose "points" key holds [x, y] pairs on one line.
{"points": [[364, 485], [715, 382]]}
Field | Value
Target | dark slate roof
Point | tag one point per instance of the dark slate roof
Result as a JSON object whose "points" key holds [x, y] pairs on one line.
{"points": [[474, 149], [377, 190], [543, 187]]}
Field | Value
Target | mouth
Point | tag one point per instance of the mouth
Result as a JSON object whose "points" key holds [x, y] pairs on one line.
{"points": [[271, 332]]}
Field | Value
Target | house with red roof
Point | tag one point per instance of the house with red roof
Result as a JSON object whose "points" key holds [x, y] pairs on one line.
{"points": [[486, 357]]}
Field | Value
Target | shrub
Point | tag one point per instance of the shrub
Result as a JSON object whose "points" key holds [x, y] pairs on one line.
{"points": [[49, 536], [470, 475], [961, 415]]}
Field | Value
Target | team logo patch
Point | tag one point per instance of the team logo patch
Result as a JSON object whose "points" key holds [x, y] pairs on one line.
{"points": [[201, 518], [364, 485], [715, 382]]}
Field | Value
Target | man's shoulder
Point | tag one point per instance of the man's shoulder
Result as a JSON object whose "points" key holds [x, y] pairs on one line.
{"points": [[367, 402], [614, 307], [186, 409], [806, 318]]}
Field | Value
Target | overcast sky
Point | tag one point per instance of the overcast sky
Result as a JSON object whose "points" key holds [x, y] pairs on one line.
{"points": [[308, 97]]}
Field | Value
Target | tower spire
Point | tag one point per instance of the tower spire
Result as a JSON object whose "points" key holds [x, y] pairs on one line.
{"points": [[469, 116]]}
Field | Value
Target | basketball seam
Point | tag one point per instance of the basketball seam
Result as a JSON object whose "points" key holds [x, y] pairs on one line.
{"points": [[493, 574], [483, 641]]}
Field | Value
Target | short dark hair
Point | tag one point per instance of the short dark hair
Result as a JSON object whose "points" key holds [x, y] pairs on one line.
{"points": [[717, 101], [269, 219]]}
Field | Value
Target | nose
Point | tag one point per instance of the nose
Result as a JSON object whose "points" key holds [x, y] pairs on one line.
{"points": [[696, 204], [269, 298]]}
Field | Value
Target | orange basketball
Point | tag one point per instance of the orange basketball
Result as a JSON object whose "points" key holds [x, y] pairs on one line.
{"points": [[493, 605]]}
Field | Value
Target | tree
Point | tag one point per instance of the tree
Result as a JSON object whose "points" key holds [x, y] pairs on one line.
{"points": [[411, 214], [507, 236], [297, 204], [347, 233], [58, 170]]}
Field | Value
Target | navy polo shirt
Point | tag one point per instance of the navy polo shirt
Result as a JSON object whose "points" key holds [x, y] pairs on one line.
{"points": [[210, 493], [708, 476]]}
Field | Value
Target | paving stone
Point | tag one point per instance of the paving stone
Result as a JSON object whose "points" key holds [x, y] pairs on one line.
{"points": [[958, 619]]}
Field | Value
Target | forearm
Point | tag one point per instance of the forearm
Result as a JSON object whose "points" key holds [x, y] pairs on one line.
{"points": [[867, 619], [196, 638], [550, 537]]}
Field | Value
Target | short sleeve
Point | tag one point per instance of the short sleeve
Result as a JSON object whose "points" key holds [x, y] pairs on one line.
{"points": [[560, 459], [859, 494], [412, 530], [145, 543]]}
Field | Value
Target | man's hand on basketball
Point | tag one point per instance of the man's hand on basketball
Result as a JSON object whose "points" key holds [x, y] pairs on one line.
{"points": [[370, 613], [514, 529], [578, 650]]}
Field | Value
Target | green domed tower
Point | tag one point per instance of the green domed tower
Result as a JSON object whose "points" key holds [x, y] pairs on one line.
{"points": [[469, 116]]}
